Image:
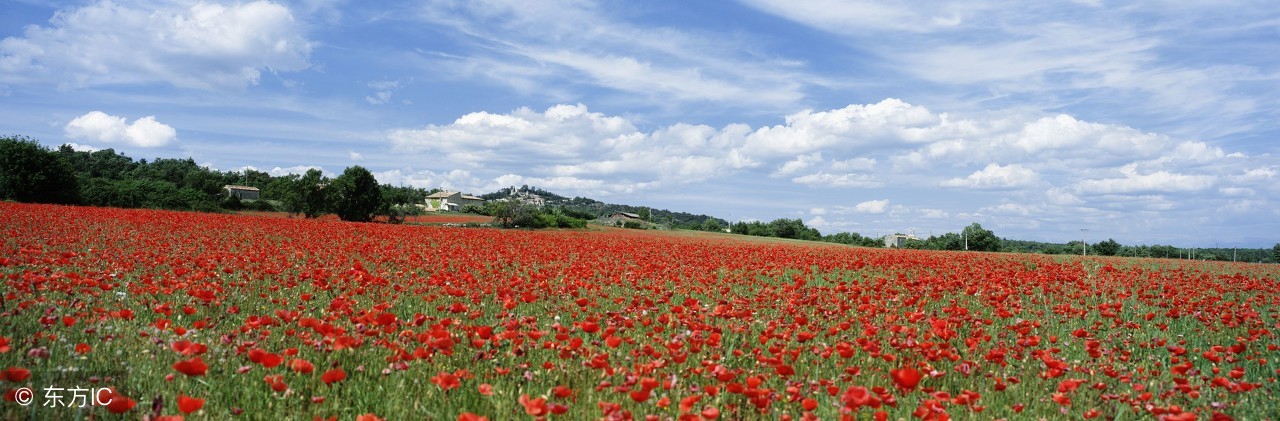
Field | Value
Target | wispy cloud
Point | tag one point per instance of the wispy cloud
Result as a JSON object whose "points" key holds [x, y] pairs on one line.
{"points": [[568, 42]]}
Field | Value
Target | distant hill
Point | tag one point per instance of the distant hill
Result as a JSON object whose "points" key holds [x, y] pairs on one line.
{"points": [[540, 197]]}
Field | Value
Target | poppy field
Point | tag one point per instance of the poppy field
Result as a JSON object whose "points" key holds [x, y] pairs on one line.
{"points": [[214, 316]]}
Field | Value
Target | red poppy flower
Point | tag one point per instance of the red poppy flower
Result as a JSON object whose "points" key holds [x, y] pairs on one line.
{"points": [[446, 381], [906, 378], [301, 366], [192, 367], [535, 407], [16, 374], [188, 348], [188, 404], [334, 375]]}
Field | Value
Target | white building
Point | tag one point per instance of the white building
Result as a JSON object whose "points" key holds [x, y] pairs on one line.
{"points": [[450, 201], [898, 240]]}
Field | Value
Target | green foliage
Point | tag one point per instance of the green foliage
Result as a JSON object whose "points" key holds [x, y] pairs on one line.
{"points": [[780, 228], [589, 209], [980, 239], [311, 194], [635, 225], [232, 202], [356, 195], [261, 205], [1275, 253], [398, 202], [644, 213], [1106, 248], [31, 173], [854, 239], [514, 214]]}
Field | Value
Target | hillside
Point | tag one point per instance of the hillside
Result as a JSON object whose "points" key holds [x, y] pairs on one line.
{"points": [[539, 197]]}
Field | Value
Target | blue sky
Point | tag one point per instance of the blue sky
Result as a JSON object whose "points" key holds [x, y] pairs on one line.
{"points": [[1147, 122]]}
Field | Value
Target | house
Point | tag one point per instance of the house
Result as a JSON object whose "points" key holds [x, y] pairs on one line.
{"points": [[242, 192], [898, 240], [620, 218], [624, 216], [451, 201]]}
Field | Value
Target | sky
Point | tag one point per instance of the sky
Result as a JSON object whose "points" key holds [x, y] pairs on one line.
{"points": [[1149, 122]]}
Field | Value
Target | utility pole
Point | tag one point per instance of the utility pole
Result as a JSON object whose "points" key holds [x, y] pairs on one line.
{"points": [[1084, 248]]}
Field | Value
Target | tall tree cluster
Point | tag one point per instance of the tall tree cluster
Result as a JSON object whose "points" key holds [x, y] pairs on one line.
{"points": [[30, 172]]}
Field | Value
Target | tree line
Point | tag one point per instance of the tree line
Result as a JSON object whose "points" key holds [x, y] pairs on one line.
{"points": [[30, 172]]}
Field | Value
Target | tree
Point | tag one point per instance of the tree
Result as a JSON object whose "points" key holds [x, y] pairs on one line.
{"points": [[644, 213], [356, 195], [31, 173], [981, 239], [308, 194], [1106, 248], [1275, 253]]}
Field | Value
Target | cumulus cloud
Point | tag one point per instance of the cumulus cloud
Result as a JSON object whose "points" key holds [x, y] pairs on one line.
{"points": [[569, 145], [83, 148], [144, 132], [298, 170], [845, 129], [190, 45], [872, 206], [1155, 182], [1021, 168], [801, 162], [995, 176]]}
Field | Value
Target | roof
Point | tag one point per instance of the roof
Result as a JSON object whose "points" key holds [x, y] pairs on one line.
{"points": [[467, 196], [235, 187], [441, 194], [627, 214]]}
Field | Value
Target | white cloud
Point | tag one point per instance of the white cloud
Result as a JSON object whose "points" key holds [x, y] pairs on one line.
{"points": [[801, 162], [872, 206], [458, 180], [1075, 56], [823, 179], [1010, 209], [1156, 182], [842, 130], [355, 156], [568, 43], [568, 145], [1062, 197], [185, 44], [996, 177], [934, 214], [83, 148], [1027, 169], [99, 126], [854, 164], [383, 90], [299, 170]]}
